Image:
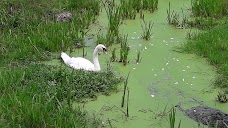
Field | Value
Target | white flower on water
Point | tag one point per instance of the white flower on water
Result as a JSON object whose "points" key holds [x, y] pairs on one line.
{"points": [[176, 83], [152, 95]]}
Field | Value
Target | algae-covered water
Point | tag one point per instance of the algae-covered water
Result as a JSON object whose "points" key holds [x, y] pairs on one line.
{"points": [[160, 81]]}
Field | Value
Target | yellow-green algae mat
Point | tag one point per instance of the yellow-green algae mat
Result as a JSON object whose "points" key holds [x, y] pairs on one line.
{"points": [[160, 81]]}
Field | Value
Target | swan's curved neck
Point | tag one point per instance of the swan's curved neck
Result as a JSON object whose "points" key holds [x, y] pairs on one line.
{"points": [[95, 60]]}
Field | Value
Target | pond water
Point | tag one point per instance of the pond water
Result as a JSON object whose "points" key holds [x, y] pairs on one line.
{"points": [[160, 81]]}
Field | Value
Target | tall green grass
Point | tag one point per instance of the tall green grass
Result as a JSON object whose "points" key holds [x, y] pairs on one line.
{"points": [[214, 46], [128, 11], [147, 29], [38, 95], [205, 12], [209, 8], [114, 21], [29, 28]]}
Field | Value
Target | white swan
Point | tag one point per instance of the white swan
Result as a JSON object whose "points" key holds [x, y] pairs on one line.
{"points": [[82, 63]]}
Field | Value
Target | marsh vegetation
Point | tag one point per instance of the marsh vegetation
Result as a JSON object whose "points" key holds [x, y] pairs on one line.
{"points": [[34, 94]]}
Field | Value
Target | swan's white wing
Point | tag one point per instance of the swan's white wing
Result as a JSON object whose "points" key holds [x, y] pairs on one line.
{"points": [[80, 63]]}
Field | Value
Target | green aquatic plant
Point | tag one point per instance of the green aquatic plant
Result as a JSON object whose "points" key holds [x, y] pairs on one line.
{"points": [[114, 21], [128, 93], [172, 17], [147, 29], [150, 5], [137, 5], [101, 39], [128, 11], [113, 58], [124, 49], [172, 118], [138, 58], [124, 91]]}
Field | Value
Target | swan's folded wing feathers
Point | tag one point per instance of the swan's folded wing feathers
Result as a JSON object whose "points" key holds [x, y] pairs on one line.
{"points": [[80, 63]]}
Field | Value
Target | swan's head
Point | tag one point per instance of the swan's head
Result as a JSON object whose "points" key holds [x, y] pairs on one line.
{"points": [[101, 48]]}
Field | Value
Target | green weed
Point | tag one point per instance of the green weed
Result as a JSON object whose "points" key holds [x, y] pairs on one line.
{"points": [[114, 18], [172, 118], [113, 58], [150, 5], [147, 29], [128, 11], [172, 17], [124, 49], [138, 58], [124, 93]]}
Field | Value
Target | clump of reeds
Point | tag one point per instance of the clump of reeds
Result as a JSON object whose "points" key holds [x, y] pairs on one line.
{"points": [[101, 39], [124, 49], [150, 5], [128, 11], [125, 88], [172, 17], [147, 29], [114, 18], [113, 58]]}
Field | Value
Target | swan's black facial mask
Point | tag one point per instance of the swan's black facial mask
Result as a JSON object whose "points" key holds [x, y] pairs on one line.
{"points": [[104, 50]]}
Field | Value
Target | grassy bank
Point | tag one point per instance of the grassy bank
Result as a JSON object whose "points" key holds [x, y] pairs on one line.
{"points": [[34, 94], [37, 95], [214, 46]]}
